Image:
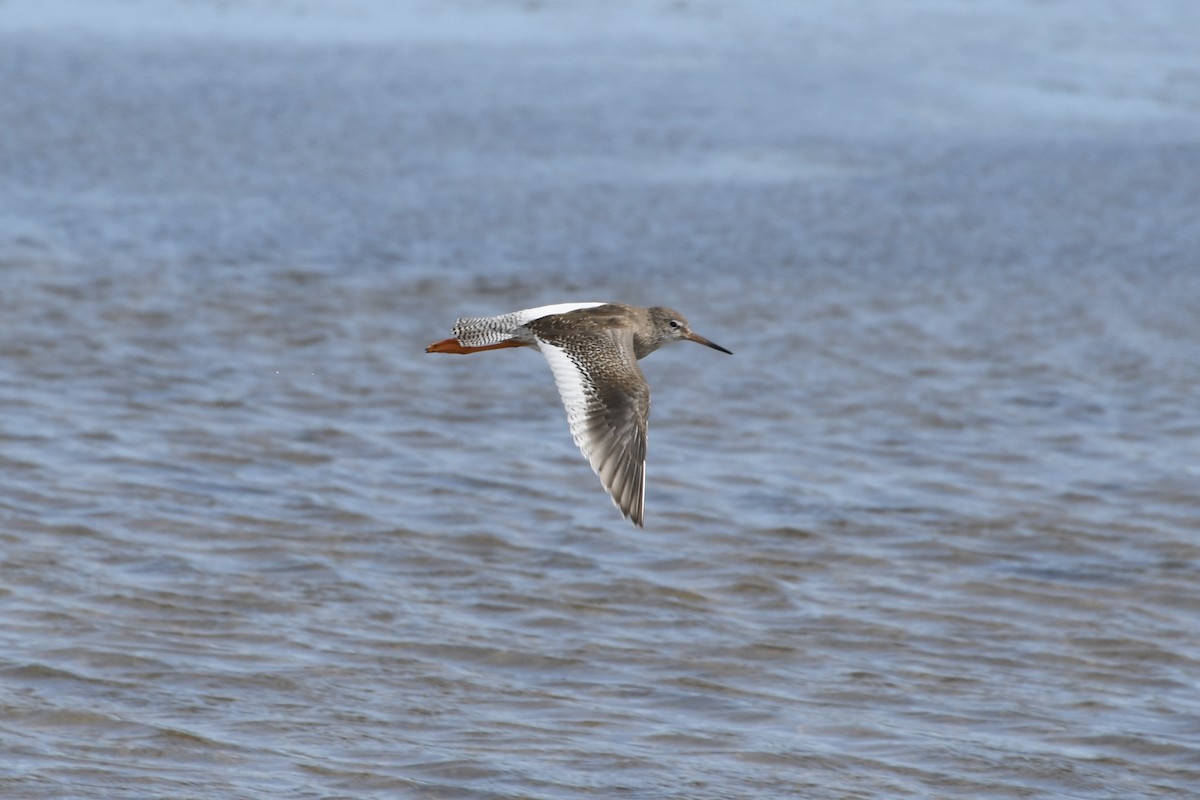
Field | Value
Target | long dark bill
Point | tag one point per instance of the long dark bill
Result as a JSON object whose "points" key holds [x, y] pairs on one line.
{"points": [[695, 337]]}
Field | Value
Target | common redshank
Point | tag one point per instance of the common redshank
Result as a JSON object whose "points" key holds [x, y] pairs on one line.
{"points": [[593, 350]]}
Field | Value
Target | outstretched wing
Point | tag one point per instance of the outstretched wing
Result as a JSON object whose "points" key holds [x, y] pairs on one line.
{"points": [[485, 331], [608, 405]]}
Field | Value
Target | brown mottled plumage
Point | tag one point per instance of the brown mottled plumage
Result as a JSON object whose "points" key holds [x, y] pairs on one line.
{"points": [[593, 350]]}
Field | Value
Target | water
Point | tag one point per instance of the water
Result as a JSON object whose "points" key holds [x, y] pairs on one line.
{"points": [[932, 531]]}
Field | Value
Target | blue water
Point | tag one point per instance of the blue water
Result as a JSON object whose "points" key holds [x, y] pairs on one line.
{"points": [[932, 531]]}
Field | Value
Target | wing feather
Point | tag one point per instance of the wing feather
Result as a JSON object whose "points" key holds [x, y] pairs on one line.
{"points": [[484, 331], [608, 404]]}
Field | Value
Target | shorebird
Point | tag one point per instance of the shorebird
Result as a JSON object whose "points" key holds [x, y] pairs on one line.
{"points": [[593, 350]]}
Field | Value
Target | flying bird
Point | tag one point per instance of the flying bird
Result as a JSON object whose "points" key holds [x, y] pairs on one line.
{"points": [[593, 350]]}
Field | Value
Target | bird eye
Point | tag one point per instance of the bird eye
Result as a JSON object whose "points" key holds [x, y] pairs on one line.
{"points": [[674, 323]]}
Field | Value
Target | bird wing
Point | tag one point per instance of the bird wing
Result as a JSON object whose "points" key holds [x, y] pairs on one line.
{"points": [[483, 331], [608, 406]]}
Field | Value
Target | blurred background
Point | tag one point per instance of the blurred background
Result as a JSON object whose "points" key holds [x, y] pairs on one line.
{"points": [[932, 531]]}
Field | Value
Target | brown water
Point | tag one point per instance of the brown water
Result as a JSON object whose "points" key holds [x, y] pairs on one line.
{"points": [[932, 531]]}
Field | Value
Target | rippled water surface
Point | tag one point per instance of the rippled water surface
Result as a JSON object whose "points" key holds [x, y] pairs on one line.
{"points": [[932, 531]]}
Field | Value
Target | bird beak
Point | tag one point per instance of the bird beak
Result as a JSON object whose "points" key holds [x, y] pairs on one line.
{"points": [[695, 337]]}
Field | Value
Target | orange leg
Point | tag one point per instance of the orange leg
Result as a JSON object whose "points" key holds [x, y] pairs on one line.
{"points": [[452, 346]]}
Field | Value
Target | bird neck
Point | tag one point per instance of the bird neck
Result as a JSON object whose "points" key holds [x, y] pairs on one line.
{"points": [[644, 345]]}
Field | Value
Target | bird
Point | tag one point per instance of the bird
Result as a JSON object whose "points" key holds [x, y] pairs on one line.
{"points": [[592, 350]]}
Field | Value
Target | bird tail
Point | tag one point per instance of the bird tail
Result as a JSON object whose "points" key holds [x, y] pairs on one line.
{"points": [[475, 334], [472, 334]]}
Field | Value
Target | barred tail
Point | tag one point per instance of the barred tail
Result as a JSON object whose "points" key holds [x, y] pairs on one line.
{"points": [[472, 334], [487, 331]]}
